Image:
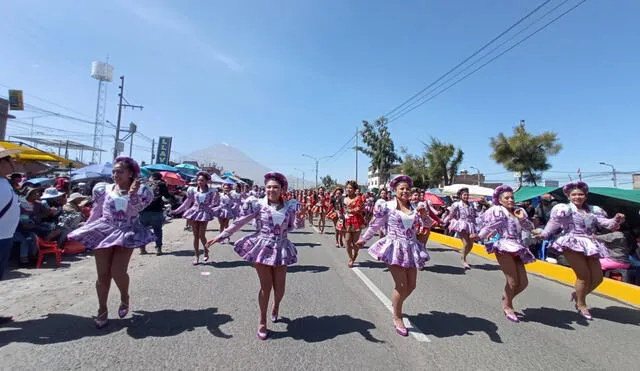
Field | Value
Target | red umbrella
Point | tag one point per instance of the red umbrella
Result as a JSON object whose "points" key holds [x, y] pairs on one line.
{"points": [[172, 178], [435, 200]]}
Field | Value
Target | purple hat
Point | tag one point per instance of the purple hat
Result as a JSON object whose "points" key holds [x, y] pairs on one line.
{"points": [[400, 178], [206, 175], [575, 185], [278, 178], [500, 190], [131, 164]]}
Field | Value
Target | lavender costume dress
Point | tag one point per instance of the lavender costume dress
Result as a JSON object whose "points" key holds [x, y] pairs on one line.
{"points": [[462, 218], [199, 206], [578, 228], [497, 219], [269, 245], [226, 208], [400, 245], [114, 219]]}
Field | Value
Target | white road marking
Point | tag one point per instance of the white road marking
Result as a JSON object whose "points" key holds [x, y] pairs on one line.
{"points": [[413, 330]]}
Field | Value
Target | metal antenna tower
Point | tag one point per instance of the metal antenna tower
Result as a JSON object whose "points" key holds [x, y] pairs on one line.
{"points": [[103, 72]]}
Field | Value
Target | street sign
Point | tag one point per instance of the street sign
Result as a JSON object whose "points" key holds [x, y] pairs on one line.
{"points": [[164, 150], [16, 100], [120, 147]]}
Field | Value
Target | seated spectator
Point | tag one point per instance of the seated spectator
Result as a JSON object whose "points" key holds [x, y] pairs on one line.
{"points": [[34, 215], [620, 244], [15, 180]]}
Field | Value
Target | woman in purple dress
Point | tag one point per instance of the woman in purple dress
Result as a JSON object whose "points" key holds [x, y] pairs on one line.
{"points": [[226, 209], [113, 230], [198, 208], [269, 248], [399, 249], [462, 220], [508, 221], [578, 223]]}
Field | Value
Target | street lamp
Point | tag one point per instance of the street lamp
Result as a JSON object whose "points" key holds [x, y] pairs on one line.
{"points": [[316, 160], [302, 171], [613, 170], [476, 169]]}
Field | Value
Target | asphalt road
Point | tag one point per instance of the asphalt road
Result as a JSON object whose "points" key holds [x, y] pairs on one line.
{"points": [[206, 317]]}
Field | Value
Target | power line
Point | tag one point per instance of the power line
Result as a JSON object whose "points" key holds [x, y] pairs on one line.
{"points": [[406, 110], [468, 58], [49, 102]]}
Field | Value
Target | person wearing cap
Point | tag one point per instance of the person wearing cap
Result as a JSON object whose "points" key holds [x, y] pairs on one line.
{"points": [[114, 230], [71, 217], [462, 219], [268, 248], [506, 221], [578, 223], [226, 209], [153, 215], [400, 248], [9, 213]]}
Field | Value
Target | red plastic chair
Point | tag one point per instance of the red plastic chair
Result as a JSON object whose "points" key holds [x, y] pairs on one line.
{"points": [[73, 247], [47, 247]]}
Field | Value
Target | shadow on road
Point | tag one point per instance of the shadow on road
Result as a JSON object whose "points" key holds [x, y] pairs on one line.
{"points": [[168, 322], [372, 264], [444, 325], [307, 268], [300, 232], [441, 249], [306, 244], [60, 328], [179, 253], [623, 315], [14, 274], [553, 317], [446, 269], [486, 267], [230, 264], [314, 329]]}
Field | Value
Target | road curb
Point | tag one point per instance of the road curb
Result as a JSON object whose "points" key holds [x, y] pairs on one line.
{"points": [[621, 291]]}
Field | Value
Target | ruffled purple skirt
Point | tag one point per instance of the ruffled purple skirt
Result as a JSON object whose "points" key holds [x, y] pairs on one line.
{"points": [[102, 234], [199, 214], [267, 251], [582, 244], [228, 212], [511, 247], [402, 252], [462, 226]]}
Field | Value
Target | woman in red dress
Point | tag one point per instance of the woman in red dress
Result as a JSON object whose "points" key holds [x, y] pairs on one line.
{"points": [[353, 220]]}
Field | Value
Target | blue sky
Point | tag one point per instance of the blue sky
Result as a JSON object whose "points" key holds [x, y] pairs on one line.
{"points": [[280, 78]]}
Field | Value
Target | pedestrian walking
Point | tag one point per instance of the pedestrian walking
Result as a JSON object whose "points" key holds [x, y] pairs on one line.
{"points": [[113, 230], [268, 248], [153, 215]]}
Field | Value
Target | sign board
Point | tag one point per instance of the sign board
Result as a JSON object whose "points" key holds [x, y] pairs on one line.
{"points": [[552, 183], [164, 150], [16, 100], [120, 147]]}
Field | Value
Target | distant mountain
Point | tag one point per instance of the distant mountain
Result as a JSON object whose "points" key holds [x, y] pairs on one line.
{"points": [[234, 160]]}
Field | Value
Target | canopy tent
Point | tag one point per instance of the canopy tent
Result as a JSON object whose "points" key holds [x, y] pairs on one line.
{"points": [[527, 193], [188, 169], [33, 154], [172, 178], [474, 190], [629, 195], [95, 171], [161, 167], [434, 199], [215, 178]]}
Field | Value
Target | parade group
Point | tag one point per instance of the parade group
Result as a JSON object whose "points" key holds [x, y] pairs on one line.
{"points": [[128, 213]]}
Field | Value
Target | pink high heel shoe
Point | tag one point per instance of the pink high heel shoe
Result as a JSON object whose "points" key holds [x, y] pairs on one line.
{"points": [[101, 323], [123, 310], [263, 333], [511, 316], [402, 331]]}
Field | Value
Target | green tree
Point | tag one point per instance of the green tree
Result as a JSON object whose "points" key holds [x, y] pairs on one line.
{"points": [[328, 181], [379, 147], [443, 161], [525, 153], [414, 166]]}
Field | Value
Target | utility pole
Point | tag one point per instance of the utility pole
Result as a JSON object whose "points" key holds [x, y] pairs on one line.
{"points": [[120, 105], [153, 150], [356, 147], [131, 145], [615, 175]]}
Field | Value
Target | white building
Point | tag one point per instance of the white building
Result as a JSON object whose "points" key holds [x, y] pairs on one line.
{"points": [[373, 180]]}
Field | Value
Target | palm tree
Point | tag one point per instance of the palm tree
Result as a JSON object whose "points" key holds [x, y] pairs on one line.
{"points": [[443, 161], [379, 148], [525, 152]]}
